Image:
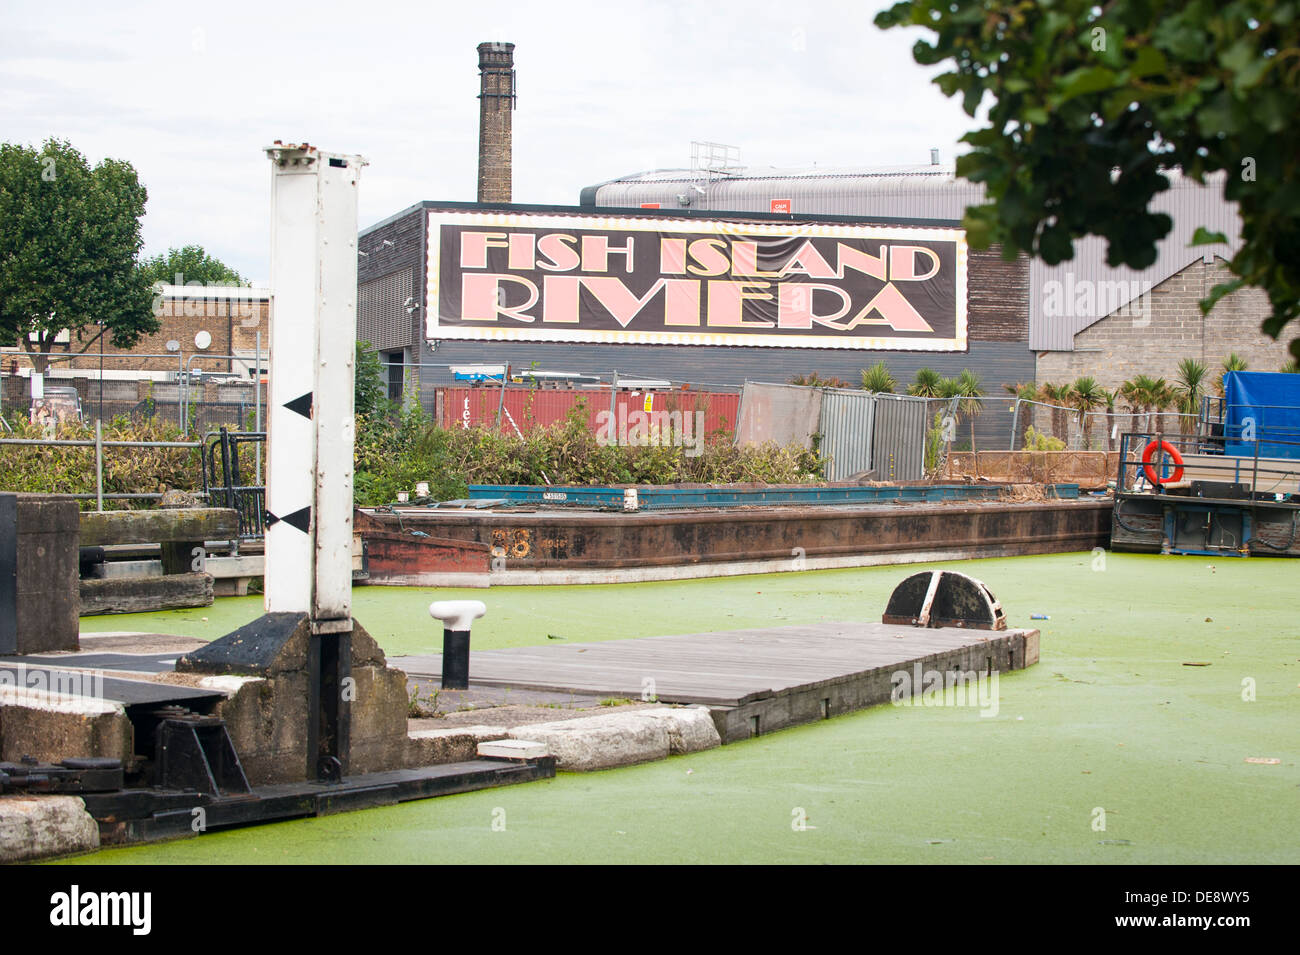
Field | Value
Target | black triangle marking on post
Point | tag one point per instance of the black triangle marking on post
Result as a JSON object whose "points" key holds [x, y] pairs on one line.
{"points": [[300, 519], [301, 404]]}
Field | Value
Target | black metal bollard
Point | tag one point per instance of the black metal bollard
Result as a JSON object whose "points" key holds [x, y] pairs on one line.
{"points": [[456, 617]]}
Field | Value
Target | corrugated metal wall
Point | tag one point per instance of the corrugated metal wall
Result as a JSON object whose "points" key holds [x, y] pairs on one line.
{"points": [[859, 432], [846, 429], [898, 439]]}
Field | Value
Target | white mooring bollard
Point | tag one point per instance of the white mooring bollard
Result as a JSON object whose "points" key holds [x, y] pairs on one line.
{"points": [[457, 617]]}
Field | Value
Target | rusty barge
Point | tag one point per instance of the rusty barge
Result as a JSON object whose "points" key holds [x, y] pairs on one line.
{"points": [[485, 541]]}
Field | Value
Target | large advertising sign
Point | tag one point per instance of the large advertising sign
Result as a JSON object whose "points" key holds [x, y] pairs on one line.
{"points": [[498, 276]]}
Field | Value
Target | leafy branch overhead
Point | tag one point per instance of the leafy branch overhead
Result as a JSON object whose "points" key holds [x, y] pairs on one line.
{"points": [[1090, 104]]}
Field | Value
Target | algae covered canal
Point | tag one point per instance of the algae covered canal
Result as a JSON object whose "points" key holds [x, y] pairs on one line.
{"points": [[1160, 726]]}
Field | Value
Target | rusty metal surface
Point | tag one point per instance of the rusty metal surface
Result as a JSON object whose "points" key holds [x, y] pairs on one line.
{"points": [[568, 539]]}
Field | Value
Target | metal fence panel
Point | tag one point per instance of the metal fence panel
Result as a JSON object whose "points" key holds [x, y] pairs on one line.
{"points": [[785, 414], [898, 438], [847, 419]]}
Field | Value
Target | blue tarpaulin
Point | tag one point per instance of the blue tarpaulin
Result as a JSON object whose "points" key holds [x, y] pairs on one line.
{"points": [[1262, 408]]}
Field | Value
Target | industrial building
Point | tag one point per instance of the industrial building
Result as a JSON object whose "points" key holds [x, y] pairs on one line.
{"points": [[1023, 321]]}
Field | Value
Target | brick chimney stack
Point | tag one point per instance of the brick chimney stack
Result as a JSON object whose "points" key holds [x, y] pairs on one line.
{"points": [[496, 65]]}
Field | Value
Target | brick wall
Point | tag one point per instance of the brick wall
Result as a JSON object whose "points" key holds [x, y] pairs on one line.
{"points": [[230, 323]]}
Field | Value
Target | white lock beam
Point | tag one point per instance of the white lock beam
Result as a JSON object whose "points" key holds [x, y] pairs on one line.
{"points": [[311, 431]]}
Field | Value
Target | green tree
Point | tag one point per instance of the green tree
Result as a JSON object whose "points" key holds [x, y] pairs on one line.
{"points": [[69, 237], [1089, 104], [189, 265], [878, 378], [370, 394]]}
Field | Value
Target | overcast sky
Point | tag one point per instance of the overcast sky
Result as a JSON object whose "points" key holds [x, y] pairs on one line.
{"points": [[189, 95]]}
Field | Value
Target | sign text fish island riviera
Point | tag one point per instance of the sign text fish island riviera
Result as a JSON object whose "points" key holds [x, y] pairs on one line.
{"points": [[524, 277]]}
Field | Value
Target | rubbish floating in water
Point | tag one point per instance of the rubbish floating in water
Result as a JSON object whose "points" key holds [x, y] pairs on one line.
{"points": [[1263, 760], [551, 636], [1039, 616], [1195, 663], [1113, 842]]}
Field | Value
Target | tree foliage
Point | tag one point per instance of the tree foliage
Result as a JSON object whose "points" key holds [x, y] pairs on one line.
{"points": [[370, 394], [1091, 104], [190, 264], [69, 237]]}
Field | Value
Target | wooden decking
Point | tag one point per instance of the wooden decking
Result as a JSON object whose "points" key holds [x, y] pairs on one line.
{"points": [[752, 680]]}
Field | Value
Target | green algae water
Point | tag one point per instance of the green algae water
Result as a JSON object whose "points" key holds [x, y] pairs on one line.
{"points": [[1111, 749]]}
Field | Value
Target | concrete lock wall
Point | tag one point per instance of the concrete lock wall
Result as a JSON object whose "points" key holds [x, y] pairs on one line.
{"points": [[39, 600]]}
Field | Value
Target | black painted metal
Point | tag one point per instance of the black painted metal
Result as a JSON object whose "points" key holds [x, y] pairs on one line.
{"points": [[955, 600], [248, 651], [138, 815], [329, 705], [81, 775], [223, 480], [455, 659], [8, 573], [195, 752]]}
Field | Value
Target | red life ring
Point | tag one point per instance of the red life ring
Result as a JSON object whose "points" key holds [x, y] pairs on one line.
{"points": [[1168, 449]]}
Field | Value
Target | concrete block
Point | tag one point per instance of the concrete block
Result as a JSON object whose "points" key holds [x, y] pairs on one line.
{"points": [[453, 744], [690, 728], [511, 749], [600, 742], [53, 726], [42, 827]]}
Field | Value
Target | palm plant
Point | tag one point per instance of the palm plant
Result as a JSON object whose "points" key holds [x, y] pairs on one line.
{"points": [[925, 384], [1233, 362], [1189, 389], [969, 394], [1290, 368], [878, 378], [1086, 396], [1058, 396], [1142, 391]]}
